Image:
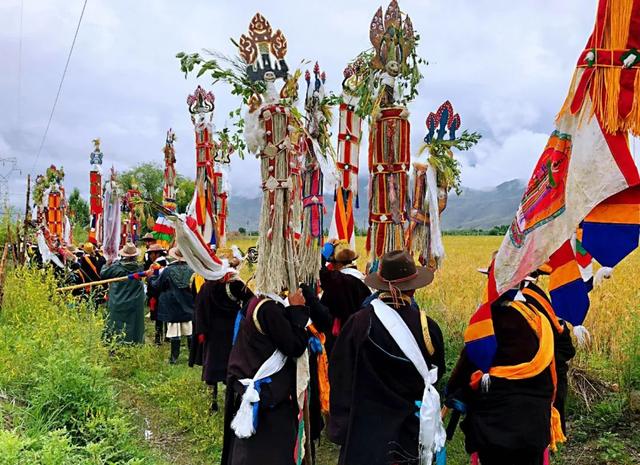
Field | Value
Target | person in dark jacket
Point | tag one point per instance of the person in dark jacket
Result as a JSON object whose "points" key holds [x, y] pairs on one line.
{"points": [[319, 386], [126, 298], [343, 288], [562, 343], [91, 263], [508, 420], [374, 384], [270, 329], [155, 258], [216, 310], [175, 300]]}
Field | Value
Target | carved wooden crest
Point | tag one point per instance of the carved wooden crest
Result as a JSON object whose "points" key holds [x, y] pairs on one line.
{"points": [[391, 35], [263, 50]]}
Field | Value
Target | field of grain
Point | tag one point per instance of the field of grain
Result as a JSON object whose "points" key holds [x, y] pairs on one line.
{"points": [[457, 289]]}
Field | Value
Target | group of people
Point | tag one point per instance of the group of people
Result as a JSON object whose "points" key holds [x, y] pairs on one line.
{"points": [[354, 355]]}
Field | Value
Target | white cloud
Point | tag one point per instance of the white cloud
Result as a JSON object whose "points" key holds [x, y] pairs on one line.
{"points": [[497, 161], [504, 65]]}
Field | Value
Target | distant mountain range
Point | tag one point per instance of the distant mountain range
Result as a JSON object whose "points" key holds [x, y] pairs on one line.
{"points": [[472, 209]]}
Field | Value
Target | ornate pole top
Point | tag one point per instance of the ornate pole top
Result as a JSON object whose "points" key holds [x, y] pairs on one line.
{"points": [[201, 101], [263, 51], [95, 158]]}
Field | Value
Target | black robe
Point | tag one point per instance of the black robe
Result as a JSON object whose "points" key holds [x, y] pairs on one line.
{"points": [[322, 321], [374, 389], [217, 306], [563, 351], [514, 416], [343, 295], [275, 437]]}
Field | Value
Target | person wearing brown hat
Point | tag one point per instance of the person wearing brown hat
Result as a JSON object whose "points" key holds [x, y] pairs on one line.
{"points": [[387, 371], [175, 300], [126, 298], [148, 239]]}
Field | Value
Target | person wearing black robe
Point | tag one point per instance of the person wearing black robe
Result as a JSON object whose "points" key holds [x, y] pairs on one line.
{"points": [[268, 325], [374, 386], [343, 289], [563, 345], [322, 321], [155, 257], [509, 424], [217, 307]]}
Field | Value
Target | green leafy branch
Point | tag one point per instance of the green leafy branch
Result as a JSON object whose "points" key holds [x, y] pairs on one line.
{"points": [[441, 158]]}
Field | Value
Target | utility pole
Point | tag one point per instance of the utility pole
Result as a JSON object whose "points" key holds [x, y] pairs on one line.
{"points": [[4, 180], [27, 220]]}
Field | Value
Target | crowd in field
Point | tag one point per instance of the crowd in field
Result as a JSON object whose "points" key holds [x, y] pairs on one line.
{"points": [[352, 355]]}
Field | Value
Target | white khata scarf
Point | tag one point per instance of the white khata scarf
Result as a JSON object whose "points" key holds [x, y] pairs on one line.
{"points": [[432, 434]]}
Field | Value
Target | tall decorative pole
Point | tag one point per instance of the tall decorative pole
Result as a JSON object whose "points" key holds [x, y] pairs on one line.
{"points": [[393, 40], [95, 193], [112, 224], [203, 206], [268, 134], [348, 163], [131, 219], [434, 177], [52, 205], [164, 230], [316, 144]]}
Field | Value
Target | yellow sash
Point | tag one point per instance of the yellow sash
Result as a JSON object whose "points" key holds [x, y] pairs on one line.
{"points": [[543, 359]]}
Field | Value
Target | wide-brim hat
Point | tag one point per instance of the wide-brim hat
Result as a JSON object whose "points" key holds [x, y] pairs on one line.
{"points": [[156, 248], [129, 250], [148, 237], [343, 253], [398, 270], [176, 254]]}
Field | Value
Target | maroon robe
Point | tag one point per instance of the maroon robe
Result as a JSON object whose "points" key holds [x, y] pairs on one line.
{"points": [[282, 328]]}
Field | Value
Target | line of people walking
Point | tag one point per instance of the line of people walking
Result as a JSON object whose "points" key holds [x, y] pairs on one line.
{"points": [[354, 356]]}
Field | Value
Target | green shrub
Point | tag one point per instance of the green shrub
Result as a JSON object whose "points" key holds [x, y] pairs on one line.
{"points": [[63, 407], [69, 389]]}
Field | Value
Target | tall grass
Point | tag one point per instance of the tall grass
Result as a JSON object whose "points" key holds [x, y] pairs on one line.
{"points": [[58, 400]]}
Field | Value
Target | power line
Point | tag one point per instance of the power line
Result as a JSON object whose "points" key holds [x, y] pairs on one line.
{"points": [[20, 69], [64, 73]]}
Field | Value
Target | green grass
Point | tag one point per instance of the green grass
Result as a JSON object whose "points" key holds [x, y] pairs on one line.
{"points": [[58, 402]]}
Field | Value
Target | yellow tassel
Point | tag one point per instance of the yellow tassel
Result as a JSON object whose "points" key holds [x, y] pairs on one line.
{"points": [[612, 84], [566, 106], [605, 84], [557, 436], [633, 119]]}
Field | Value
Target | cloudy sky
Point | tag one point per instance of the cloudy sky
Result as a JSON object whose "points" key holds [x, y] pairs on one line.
{"points": [[504, 65]]}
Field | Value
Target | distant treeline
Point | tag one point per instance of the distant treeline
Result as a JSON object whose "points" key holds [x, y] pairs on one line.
{"points": [[495, 231]]}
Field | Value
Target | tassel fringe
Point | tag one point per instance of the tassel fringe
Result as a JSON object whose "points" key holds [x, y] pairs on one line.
{"points": [[604, 87], [582, 335]]}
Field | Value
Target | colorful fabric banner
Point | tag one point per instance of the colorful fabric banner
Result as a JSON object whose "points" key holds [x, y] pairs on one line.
{"points": [[586, 161], [346, 193], [569, 293], [612, 229]]}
